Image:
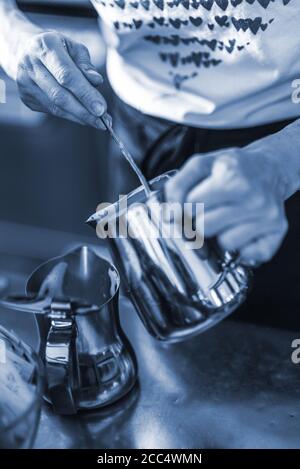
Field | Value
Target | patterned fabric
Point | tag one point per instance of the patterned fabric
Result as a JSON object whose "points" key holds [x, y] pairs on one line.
{"points": [[209, 63]]}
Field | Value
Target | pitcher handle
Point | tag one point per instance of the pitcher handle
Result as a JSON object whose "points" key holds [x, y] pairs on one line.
{"points": [[31, 304], [61, 363]]}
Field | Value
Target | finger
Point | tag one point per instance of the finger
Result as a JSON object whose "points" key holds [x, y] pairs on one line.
{"points": [[38, 101], [239, 236], [225, 185], [70, 77], [32, 96], [195, 170], [210, 193], [61, 113], [59, 99], [261, 250], [217, 220], [81, 57], [107, 120], [43, 105]]}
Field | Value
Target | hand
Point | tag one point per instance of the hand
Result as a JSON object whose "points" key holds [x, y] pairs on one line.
{"points": [[243, 195], [55, 75]]}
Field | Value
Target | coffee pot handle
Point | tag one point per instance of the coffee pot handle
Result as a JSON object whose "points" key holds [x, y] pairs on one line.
{"points": [[60, 351], [28, 304], [61, 365], [43, 305]]}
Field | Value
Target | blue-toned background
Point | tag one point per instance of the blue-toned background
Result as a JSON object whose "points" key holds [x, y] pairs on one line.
{"points": [[54, 173]]}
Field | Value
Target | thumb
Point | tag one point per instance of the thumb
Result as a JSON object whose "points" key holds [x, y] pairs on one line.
{"points": [[81, 56], [194, 171], [261, 250]]}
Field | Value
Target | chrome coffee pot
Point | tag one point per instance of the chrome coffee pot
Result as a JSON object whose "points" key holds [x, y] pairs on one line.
{"points": [[178, 291], [88, 360]]}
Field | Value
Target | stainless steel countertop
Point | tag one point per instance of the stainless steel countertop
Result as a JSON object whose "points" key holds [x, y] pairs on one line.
{"points": [[232, 387]]}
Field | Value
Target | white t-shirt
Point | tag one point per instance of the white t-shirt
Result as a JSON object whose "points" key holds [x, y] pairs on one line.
{"points": [[206, 63]]}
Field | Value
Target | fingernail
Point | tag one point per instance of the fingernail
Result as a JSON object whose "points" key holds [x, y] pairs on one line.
{"points": [[98, 109], [95, 75]]}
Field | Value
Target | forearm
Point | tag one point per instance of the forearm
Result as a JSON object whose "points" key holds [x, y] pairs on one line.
{"points": [[289, 139], [15, 29], [283, 148]]}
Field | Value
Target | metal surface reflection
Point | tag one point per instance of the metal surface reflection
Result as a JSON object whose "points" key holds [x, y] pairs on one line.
{"points": [[216, 391], [21, 387], [89, 361], [233, 387], [178, 291]]}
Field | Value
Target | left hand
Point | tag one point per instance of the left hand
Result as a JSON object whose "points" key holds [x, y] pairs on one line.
{"points": [[55, 75], [243, 192]]}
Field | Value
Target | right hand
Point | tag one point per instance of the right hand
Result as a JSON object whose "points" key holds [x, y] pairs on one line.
{"points": [[55, 75]]}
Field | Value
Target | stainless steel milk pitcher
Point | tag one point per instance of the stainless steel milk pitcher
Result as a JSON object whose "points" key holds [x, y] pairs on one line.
{"points": [[88, 360], [178, 292]]}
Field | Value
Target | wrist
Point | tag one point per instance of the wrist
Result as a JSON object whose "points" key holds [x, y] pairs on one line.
{"points": [[279, 155], [15, 33]]}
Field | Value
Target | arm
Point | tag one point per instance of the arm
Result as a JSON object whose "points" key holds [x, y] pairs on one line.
{"points": [[15, 30], [54, 74], [243, 191], [283, 149]]}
